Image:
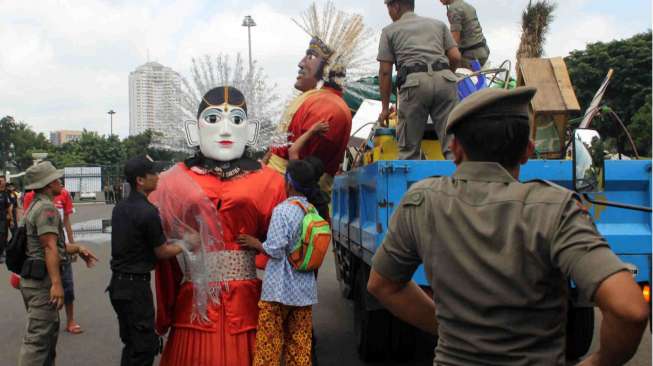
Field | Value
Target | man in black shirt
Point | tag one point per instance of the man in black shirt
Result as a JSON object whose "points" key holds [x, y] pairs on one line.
{"points": [[6, 216], [137, 241]]}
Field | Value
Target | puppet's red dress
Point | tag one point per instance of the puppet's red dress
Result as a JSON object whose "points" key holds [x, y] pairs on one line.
{"points": [[208, 300]]}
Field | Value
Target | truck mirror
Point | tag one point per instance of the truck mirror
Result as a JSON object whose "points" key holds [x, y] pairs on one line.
{"points": [[589, 162]]}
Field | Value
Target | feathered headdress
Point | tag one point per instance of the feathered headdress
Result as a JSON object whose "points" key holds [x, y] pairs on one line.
{"points": [[338, 37]]}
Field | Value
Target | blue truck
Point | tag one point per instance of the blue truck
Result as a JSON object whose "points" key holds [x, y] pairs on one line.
{"points": [[365, 198]]}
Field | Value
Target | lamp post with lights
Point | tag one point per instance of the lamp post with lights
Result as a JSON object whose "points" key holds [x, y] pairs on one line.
{"points": [[111, 113], [249, 23]]}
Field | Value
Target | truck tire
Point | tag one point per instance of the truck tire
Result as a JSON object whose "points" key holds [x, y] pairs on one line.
{"points": [[403, 340], [580, 331], [371, 327], [410, 343], [343, 265]]}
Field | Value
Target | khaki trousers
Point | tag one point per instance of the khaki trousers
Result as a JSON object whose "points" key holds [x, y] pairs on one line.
{"points": [[425, 94], [42, 330], [481, 54]]}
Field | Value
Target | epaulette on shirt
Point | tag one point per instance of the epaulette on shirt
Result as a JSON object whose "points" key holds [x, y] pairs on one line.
{"points": [[574, 194], [415, 198], [548, 183]]}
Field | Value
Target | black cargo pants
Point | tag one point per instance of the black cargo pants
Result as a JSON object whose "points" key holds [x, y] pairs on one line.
{"points": [[131, 299]]}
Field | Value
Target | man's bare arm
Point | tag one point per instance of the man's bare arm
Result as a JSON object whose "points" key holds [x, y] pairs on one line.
{"points": [[405, 300], [625, 314], [69, 228], [455, 58], [52, 263], [456, 37], [10, 216], [166, 251], [385, 85]]}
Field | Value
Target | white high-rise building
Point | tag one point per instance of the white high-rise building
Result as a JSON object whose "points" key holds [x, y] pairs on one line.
{"points": [[153, 99]]}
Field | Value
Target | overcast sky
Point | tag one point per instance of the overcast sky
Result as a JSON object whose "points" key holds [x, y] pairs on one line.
{"points": [[65, 63]]}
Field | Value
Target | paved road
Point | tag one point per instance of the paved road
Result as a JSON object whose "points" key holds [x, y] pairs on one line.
{"points": [[100, 344]]}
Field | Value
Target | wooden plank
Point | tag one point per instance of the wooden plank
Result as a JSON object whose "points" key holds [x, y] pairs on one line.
{"points": [[539, 73], [564, 84]]}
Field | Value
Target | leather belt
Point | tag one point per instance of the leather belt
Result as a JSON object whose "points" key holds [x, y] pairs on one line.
{"points": [[132, 276], [436, 66], [483, 43], [404, 70]]}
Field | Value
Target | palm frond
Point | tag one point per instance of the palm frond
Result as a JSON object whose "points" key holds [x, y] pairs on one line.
{"points": [[536, 20]]}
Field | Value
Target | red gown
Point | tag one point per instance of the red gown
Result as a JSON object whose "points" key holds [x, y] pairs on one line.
{"points": [[234, 206]]}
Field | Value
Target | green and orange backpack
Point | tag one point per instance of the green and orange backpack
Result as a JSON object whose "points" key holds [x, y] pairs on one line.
{"points": [[312, 245]]}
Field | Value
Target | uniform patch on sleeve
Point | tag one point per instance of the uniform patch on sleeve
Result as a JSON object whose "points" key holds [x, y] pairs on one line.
{"points": [[49, 217], [414, 199], [455, 16]]}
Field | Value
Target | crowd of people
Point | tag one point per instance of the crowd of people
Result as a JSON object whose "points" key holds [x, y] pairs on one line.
{"points": [[207, 224]]}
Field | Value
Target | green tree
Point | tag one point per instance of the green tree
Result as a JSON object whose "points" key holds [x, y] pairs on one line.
{"points": [[17, 143], [640, 128], [100, 150], [65, 155], [141, 144], [629, 90]]}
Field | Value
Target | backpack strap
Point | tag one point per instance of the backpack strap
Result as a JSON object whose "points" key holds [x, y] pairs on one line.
{"points": [[300, 205], [29, 209]]}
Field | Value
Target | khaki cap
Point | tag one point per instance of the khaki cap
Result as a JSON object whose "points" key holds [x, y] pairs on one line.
{"points": [[492, 101], [41, 174]]}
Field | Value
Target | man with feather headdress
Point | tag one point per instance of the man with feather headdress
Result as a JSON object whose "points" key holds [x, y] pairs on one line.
{"points": [[318, 120]]}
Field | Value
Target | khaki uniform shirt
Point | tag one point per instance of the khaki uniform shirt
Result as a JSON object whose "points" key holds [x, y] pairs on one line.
{"points": [[463, 19], [415, 40], [43, 218], [498, 254]]}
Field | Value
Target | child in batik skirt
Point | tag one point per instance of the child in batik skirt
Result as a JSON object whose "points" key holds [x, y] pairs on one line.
{"points": [[285, 321]]}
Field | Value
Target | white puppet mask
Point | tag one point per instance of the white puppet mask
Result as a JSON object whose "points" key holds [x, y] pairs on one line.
{"points": [[222, 130]]}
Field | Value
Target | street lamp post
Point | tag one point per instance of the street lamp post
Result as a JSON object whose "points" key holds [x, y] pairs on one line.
{"points": [[249, 23], [111, 113]]}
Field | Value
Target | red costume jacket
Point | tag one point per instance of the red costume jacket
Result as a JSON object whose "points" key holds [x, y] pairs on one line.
{"points": [[325, 106]]}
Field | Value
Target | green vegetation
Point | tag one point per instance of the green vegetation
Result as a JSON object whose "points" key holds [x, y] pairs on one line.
{"points": [[629, 93], [18, 141]]}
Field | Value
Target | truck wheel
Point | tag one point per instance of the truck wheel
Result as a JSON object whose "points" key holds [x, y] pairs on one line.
{"points": [[403, 337], [371, 327], [580, 331], [343, 271]]}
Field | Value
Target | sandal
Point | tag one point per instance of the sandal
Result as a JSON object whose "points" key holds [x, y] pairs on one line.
{"points": [[74, 329]]}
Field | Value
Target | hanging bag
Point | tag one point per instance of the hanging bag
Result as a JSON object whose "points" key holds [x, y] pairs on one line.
{"points": [[313, 242]]}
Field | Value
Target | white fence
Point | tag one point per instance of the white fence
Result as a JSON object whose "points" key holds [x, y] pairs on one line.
{"points": [[83, 179]]}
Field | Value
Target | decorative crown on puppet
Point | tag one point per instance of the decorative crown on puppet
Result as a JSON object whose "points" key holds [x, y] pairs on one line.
{"points": [[338, 38]]}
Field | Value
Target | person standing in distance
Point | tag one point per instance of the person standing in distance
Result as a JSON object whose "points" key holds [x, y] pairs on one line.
{"points": [[6, 210], [425, 55], [41, 284], [14, 200], [467, 32], [137, 240], [499, 254]]}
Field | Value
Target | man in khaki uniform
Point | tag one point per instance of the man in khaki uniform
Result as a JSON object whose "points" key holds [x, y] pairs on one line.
{"points": [[467, 32], [424, 54], [46, 251], [499, 253]]}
